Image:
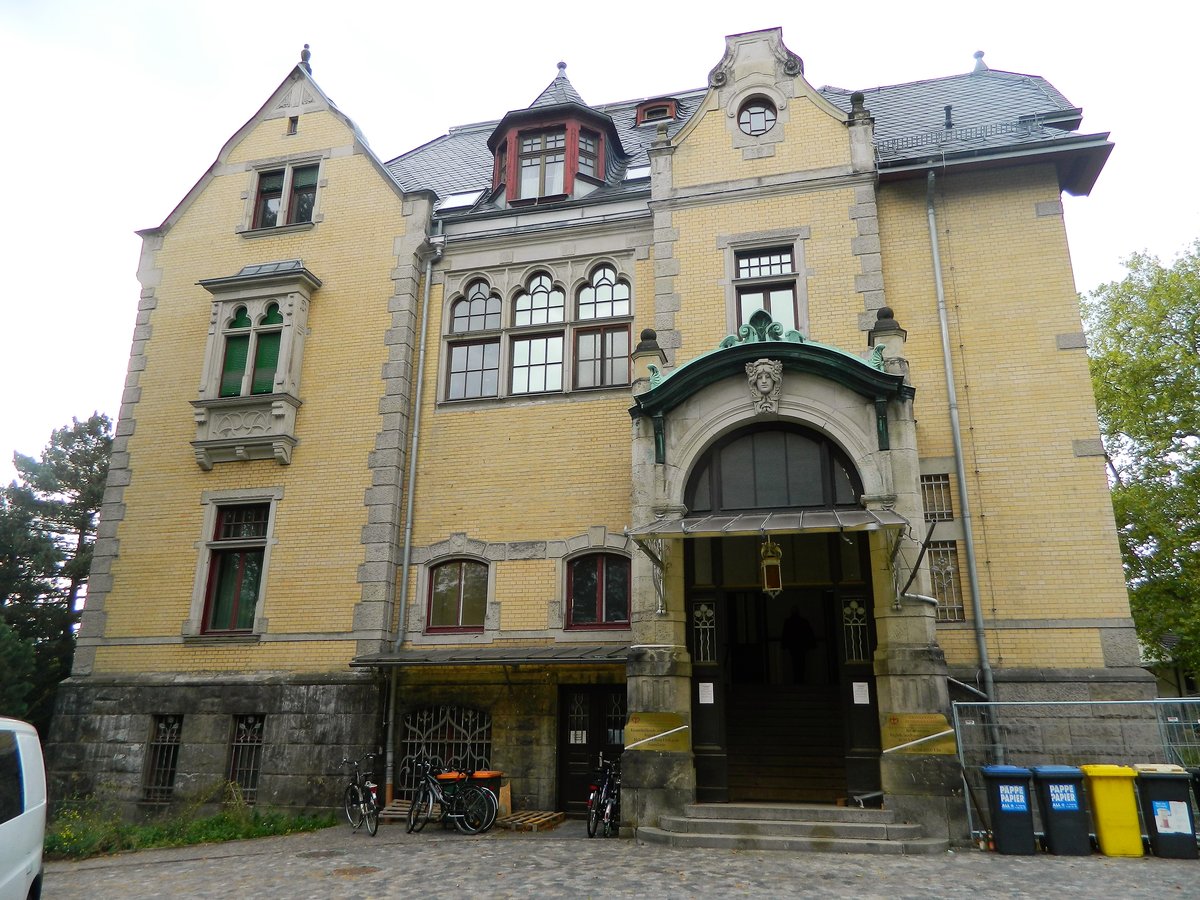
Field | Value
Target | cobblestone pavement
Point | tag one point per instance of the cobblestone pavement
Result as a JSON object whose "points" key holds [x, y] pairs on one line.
{"points": [[338, 863]]}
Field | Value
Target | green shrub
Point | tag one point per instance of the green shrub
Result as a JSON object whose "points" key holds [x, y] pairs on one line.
{"points": [[92, 827]]}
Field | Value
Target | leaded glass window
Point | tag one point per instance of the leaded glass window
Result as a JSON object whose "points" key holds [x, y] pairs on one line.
{"points": [[540, 304]]}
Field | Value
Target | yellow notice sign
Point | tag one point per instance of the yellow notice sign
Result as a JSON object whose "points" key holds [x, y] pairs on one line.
{"points": [[664, 732], [904, 728]]}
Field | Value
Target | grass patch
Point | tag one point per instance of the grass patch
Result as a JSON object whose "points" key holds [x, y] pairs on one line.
{"points": [[91, 828]]}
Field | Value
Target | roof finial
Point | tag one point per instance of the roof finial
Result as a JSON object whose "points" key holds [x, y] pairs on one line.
{"points": [[562, 70], [305, 56], [980, 65]]}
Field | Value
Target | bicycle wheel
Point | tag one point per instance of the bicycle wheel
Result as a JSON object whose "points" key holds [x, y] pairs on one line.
{"points": [[471, 809], [420, 809], [371, 814], [353, 805], [493, 807], [593, 813], [611, 825]]}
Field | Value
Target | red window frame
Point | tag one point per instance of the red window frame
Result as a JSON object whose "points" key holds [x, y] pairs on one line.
{"points": [[232, 546], [507, 169], [602, 561], [267, 194]]}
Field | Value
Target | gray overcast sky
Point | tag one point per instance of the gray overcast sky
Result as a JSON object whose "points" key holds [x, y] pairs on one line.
{"points": [[117, 108]]}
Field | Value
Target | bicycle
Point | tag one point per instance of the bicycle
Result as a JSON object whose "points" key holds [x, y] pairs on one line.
{"points": [[361, 799], [604, 799], [471, 808]]}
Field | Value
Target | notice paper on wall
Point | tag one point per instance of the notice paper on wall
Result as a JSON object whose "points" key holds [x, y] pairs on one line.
{"points": [[706, 692], [862, 693]]}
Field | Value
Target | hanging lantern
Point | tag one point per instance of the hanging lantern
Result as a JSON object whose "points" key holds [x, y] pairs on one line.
{"points": [[772, 572]]}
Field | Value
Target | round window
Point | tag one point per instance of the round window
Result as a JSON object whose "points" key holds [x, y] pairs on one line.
{"points": [[757, 116]]}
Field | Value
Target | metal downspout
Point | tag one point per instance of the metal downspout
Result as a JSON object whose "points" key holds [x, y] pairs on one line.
{"points": [[960, 468], [437, 244]]}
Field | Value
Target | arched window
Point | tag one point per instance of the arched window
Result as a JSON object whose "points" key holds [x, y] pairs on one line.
{"points": [[474, 369], [598, 591], [772, 467], [602, 351], [243, 342], [540, 303], [604, 295], [457, 596], [478, 311]]}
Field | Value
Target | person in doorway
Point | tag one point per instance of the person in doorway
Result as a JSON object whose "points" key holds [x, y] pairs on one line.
{"points": [[798, 639]]}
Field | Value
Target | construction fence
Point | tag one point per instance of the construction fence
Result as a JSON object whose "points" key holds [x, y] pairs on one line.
{"points": [[1071, 733]]}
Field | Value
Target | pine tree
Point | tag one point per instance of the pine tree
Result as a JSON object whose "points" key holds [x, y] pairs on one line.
{"points": [[47, 531]]}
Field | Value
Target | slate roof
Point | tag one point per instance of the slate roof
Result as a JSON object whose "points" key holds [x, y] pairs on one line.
{"points": [[991, 112], [559, 91]]}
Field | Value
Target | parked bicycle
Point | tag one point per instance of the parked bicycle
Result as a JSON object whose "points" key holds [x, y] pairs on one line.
{"points": [[469, 807], [361, 799], [604, 799]]}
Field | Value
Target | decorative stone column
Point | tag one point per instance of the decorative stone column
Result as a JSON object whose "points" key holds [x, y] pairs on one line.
{"points": [[910, 667], [657, 777]]}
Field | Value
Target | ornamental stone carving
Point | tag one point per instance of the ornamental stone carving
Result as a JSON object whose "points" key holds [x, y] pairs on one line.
{"points": [[765, 380]]}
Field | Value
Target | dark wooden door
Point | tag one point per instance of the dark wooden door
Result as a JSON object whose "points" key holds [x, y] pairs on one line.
{"points": [[786, 733], [591, 721]]}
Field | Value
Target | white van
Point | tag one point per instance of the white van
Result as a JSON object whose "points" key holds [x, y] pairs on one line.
{"points": [[22, 811]]}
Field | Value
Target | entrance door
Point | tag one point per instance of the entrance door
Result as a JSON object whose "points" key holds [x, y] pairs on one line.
{"points": [[591, 721], [785, 727], [783, 690]]}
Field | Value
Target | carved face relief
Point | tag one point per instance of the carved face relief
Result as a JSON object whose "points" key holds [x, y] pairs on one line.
{"points": [[765, 380]]}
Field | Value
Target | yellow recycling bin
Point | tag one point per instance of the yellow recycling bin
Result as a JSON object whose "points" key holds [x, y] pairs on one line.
{"points": [[1114, 809]]}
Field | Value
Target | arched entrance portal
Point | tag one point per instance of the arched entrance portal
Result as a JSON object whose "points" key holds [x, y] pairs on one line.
{"points": [[783, 700]]}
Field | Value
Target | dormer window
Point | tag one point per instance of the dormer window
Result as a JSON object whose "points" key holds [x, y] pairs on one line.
{"points": [[543, 163], [656, 111], [589, 150], [556, 149]]}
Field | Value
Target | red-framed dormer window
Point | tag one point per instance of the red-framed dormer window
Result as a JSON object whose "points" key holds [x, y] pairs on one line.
{"points": [[542, 162], [656, 111]]}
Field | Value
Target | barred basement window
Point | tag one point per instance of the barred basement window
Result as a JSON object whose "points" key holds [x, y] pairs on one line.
{"points": [[162, 754], [449, 735], [947, 588], [245, 755], [935, 496]]}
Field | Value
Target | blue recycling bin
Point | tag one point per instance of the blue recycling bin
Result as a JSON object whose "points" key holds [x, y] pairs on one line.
{"points": [[1011, 806], [1064, 814]]}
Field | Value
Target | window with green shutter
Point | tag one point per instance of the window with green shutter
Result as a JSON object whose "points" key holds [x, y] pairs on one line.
{"points": [[237, 350], [266, 352]]}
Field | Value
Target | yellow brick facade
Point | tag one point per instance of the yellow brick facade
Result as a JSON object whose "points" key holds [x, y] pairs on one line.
{"points": [[310, 588], [523, 486]]}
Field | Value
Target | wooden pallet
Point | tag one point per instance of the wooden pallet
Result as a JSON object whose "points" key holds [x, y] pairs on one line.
{"points": [[531, 820], [397, 809]]}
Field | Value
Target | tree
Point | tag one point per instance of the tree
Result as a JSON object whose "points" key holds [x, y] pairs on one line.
{"points": [[1144, 339], [47, 531], [17, 664]]}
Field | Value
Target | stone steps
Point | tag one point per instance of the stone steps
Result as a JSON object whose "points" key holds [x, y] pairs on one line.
{"points": [[791, 827]]}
